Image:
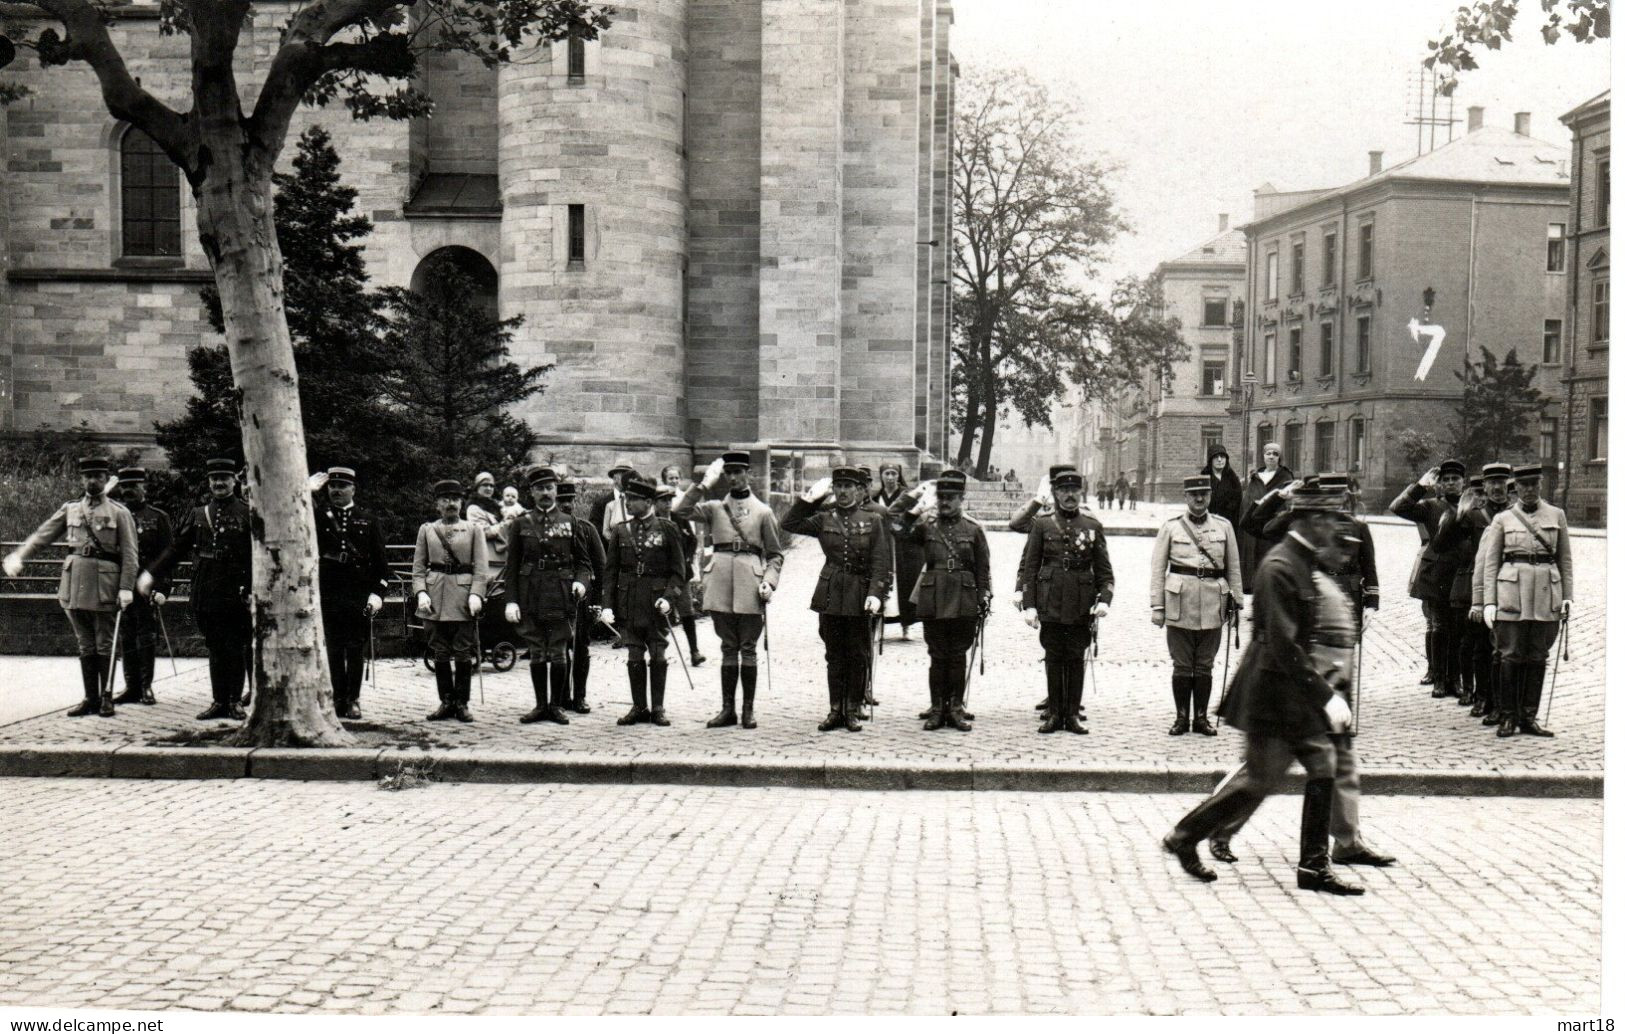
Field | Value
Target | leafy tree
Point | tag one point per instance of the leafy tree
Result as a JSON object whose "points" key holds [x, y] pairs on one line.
{"points": [[364, 52], [1416, 448], [1488, 23], [1032, 220], [1498, 400]]}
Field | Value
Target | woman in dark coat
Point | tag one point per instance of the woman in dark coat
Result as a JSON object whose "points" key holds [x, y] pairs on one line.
{"points": [[1264, 480], [910, 555], [1226, 501]]}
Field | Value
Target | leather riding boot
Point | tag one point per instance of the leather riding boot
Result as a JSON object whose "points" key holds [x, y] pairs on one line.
{"points": [[1438, 671], [132, 674], [1534, 683], [104, 698], [637, 676], [933, 714], [1073, 722], [1053, 675], [696, 658], [538, 687], [1509, 682], [462, 676], [953, 704], [837, 702], [580, 666], [355, 670], [1182, 706], [1492, 711], [149, 662], [1201, 693], [726, 717], [443, 687], [559, 681], [1429, 638], [747, 680], [92, 701], [1314, 842], [657, 694]]}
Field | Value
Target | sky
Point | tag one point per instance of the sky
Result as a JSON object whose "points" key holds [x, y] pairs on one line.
{"points": [[1201, 102]]}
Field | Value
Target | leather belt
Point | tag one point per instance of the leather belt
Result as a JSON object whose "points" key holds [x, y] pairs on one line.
{"points": [[96, 552], [1527, 558], [1075, 565], [737, 546], [452, 568], [341, 557], [1195, 572]]}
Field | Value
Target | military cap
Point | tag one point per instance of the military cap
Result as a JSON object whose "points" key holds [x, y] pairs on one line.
{"points": [[1060, 468], [1497, 470], [852, 474], [448, 487], [1476, 481], [665, 492], [541, 476], [221, 466], [484, 477], [342, 475], [567, 491], [1317, 497], [735, 460], [1199, 483], [951, 482], [1333, 482], [640, 490], [1449, 467], [132, 476], [1525, 471], [1067, 479], [1348, 531], [868, 474]]}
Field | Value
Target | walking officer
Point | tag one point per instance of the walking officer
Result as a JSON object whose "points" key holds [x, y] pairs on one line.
{"points": [[1434, 572], [354, 573], [216, 535], [644, 573], [154, 532], [1195, 594], [954, 590], [98, 575], [1527, 584], [550, 566], [449, 576], [746, 559], [587, 608], [1067, 584], [852, 586]]}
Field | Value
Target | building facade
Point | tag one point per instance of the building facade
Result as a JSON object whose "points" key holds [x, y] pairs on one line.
{"points": [[1582, 488], [725, 222], [1364, 301]]}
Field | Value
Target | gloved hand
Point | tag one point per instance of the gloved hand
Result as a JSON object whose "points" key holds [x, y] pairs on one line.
{"points": [[817, 490], [713, 473], [927, 497], [765, 591], [1489, 614], [125, 598], [1566, 607], [511, 612], [1286, 491], [1043, 500], [1100, 609], [317, 481], [986, 606], [871, 604], [1338, 713], [607, 616], [159, 599], [1429, 479], [663, 605], [578, 590], [1372, 599], [143, 581], [1159, 616], [13, 565], [1476, 615], [475, 605], [425, 605], [375, 603], [1031, 617]]}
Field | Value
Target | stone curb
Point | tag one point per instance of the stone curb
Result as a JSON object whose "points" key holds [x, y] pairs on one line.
{"points": [[367, 764]]}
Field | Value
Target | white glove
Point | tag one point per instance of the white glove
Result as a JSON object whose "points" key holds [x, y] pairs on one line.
{"points": [[1031, 617], [375, 603], [1100, 609], [425, 605], [13, 565], [511, 612], [1015, 600], [125, 598], [143, 581], [317, 481], [765, 591], [475, 605], [607, 616], [1159, 617], [928, 497], [112, 483], [1489, 615], [159, 599], [713, 473], [1337, 712], [1043, 500], [817, 490], [1429, 479], [663, 605], [871, 604], [578, 590]]}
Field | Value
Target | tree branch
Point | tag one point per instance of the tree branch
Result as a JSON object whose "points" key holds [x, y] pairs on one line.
{"points": [[301, 60]]}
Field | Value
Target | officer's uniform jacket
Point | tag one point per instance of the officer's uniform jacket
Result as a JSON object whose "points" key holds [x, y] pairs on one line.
{"points": [[1435, 568], [857, 555], [449, 578], [737, 565], [1460, 535], [645, 564], [352, 564], [1065, 568], [1526, 575], [547, 552], [957, 571], [1021, 522], [154, 532], [218, 538], [102, 555], [1358, 576], [1190, 577]]}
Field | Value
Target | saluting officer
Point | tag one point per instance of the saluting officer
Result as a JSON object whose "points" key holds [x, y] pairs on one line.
{"points": [[746, 559], [449, 575], [1527, 583], [154, 533], [550, 566], [1066, 584], [217, 537], [354, 574], [1195, 593], [1461, 533], [98, 575], [1021, 522], [954, 589], [645, 572], [587, 608], [1434, 571], [852, 586]]}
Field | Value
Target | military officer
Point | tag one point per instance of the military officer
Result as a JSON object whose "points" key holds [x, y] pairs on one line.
{"points": [[98, 576], [1195, 593], [1462, 531], [354, 573], [550, 566], [449, 576], [739, 579], [645, 572], [665, 496], [1021, 522], [217, 537], [1270, 519], [1066, 585], [1434, 572], [1526, 585], [954, 589], [852, 586], [587, 609], [154, 532]]}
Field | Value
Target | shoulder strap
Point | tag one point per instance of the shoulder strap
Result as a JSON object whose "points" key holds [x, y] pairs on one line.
{"points": [[738, 531], [445, 543], [1517, 511], [1196, 540]]}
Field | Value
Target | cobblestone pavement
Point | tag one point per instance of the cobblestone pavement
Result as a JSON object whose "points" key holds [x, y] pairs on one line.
{"points": [[456, 899], [1128, 698]]}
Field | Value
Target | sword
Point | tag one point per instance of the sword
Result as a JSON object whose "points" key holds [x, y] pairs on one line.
{"points": [[677, 648], [479, 657], [1563, 634], [1228, 633], [372, 654], [1359, 657], [169, 646], [869, 673], [975, 649], [112, 667], [570, 649], [767, 649]]}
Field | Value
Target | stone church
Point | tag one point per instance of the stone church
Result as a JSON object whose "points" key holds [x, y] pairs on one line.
{"points": [[725, 223]]}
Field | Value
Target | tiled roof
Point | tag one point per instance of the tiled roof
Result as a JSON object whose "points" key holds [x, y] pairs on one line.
{"points": [[1228, 248]]}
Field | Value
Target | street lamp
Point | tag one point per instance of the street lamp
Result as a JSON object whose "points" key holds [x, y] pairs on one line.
{"points": [[1249, 382]]}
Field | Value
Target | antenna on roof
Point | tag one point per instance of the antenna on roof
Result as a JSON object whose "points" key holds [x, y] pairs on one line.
{"points": [[1422, 105]]}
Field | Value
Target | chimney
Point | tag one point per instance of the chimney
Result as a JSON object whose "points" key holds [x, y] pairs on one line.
{"points": [[1475, 118], [1224, 221], [1520, 123], [1376, 161]]}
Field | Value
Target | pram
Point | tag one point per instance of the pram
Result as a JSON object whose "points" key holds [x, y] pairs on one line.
{"points": [[497, 649]]}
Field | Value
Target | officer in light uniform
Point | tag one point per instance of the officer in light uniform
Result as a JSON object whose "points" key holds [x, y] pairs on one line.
{"points": [[1195, 593], [449, 574]]}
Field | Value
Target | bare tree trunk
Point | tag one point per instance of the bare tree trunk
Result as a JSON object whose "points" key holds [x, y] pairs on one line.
{"points": [[990, 419], [293, 704], [967, 438]]}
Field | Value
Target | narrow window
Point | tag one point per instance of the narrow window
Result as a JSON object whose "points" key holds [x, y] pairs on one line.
{"points": [[1362, 345], [1368, 242], [1597, 447], [150, 198], [1272, 269], [1357, 443], [576, 58], [1599, 312], [1551, 344], [1555, 233], [578, 235], [1326, 349], [1294, 354], [1297, 267], [1328, 259]]}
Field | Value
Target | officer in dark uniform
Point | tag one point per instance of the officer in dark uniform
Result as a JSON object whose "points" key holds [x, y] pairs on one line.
{"points": [[954, 590], [549, 570], [354, 574], [1066, 585], [1021, 522], [587, 609], [1462, 532], [154, 533], [217, 537], [1435, 572], [645, 572], [852, 587], [1270, 519]]}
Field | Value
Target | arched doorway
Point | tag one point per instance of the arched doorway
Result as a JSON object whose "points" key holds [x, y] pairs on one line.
{"points": [[469, 263]]}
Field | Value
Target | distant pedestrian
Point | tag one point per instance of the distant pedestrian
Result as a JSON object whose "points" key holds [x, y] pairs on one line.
{"points": [[1134, 496], [1120, 490]]}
